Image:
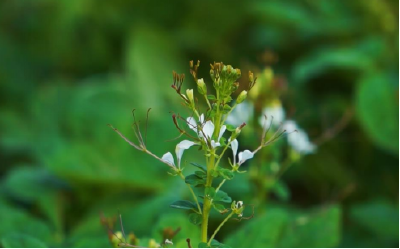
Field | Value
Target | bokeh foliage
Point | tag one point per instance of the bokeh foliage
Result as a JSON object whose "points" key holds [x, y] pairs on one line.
{"points": [[68, 68]]}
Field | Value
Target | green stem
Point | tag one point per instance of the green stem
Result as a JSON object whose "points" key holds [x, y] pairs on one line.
{"points": [[219, 227], [207, 202]]}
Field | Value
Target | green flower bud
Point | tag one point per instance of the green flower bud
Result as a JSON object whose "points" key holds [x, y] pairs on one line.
{"points": [[242, 96], [201, 87]]}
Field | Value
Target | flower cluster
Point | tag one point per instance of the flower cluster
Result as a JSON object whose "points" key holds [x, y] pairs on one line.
{"points": [[210, 129]]}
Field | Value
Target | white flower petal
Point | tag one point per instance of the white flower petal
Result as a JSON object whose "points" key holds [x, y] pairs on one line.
{"points": [[298, 140], [221, 132], [242, 113], [276, 113], [201, 119], [234, 146], [245, 155], [168, 158], [208, 129], [192, 124], [180, 148], [214, 144]]}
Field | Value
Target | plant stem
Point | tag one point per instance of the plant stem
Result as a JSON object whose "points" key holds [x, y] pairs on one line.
{"points": [[219, 227], [207, 202]]}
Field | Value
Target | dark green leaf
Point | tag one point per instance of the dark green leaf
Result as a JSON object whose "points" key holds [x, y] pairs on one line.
{"points": [[195, 218], [222, 197], [203, 245], [219, 207], [182, 204], [199, 166], [201, 174], [210, 192], [14, 240], [194, 180], [225, 173], [281, 190], [380, 121]]}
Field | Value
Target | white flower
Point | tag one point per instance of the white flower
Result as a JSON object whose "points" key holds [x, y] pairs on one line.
{"points": [[180, 148], [243, 156], [242, 113], [206, 131], [234, 146], [298, 140], [167, 241], [239, 205], [276, 113]]}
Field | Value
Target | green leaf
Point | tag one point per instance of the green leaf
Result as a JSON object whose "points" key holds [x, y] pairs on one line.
{"points": [[219, 207], [378, 110], [315, 228], [216, 244], [379, 217], [281, 190], [203, 245], [195, 218], [230, 128], [225, 173], [172, 222], [222, 197], [201, 174], [214, 173], [226, 109], [194, 180], [210, 192], [261, 232], [290, 228], [182, 204], [211, 97], [14, 240], [199, 166]]}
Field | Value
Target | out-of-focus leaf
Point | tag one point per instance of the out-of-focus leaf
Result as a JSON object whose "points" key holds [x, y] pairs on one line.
{"points": [[20, 241], [19, 222], [381, 218], [318, 228], [172, 222], [281, 190], [378, 109], [261, 232], [290, 228], [330, 59]]}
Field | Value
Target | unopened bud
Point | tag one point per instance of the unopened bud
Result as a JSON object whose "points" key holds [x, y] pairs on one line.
{"points": [[189, 93], [242, 96], [201, 87]]}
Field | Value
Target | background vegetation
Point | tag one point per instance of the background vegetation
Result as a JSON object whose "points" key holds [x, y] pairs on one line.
{"points": [[68, 68]]}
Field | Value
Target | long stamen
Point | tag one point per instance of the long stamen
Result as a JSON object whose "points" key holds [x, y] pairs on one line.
{"points": [[147, 122]]}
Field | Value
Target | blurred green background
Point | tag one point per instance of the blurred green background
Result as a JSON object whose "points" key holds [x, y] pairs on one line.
{"points": [[68, 68]]}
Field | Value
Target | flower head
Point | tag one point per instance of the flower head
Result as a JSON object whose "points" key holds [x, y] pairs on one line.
{"points": [[180, 148], [276, 113], [206, 130], [242, 113], [243, 156], [298, 140]]}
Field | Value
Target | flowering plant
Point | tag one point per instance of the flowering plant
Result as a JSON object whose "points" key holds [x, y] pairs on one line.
{"points": [[213, 136]]}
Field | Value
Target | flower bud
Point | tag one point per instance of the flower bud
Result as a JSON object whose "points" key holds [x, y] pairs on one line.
{"points": [[242, 96], [201, 87], [189, 93]]}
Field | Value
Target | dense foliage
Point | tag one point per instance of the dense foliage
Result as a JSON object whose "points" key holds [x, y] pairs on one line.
{"points": [[69, 68]]}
